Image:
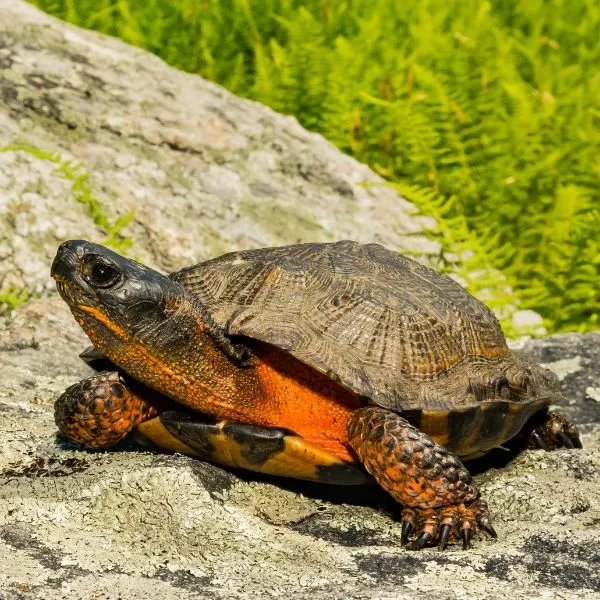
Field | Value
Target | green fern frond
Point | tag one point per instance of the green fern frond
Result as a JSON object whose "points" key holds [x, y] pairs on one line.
{"points": [[489, 110]]}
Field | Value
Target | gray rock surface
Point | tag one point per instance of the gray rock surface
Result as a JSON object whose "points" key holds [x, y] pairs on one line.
{"points": [[133, 524], [576, 361]]}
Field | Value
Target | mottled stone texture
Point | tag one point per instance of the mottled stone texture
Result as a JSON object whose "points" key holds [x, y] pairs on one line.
{"points": [[205, 172]]}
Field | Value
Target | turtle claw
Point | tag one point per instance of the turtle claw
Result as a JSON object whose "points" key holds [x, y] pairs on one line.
{"points": [[537, 441], [406, 529], [420, 541], [487, 526], [446, 524], [466, 538], [555, 432], [566, 441], [445, 531]]}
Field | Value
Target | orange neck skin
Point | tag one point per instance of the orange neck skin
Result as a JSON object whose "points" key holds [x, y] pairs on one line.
{"points": [[295, 396], [277, 390]]}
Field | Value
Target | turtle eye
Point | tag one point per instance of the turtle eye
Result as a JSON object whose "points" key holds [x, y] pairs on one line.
{"points": [[101, 273]]}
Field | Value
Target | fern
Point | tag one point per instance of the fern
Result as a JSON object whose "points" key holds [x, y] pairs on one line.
{"points": [[485, 114]]}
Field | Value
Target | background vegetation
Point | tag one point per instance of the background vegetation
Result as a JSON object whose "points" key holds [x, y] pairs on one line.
{"points": [[484, 114]]}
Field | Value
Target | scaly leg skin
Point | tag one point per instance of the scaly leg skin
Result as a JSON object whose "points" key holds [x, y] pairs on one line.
{"points": [[440, 499], [98, 412], [554, 432]]}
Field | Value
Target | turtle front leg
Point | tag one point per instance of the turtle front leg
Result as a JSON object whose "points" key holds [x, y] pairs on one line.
{"points": [[98, 412], [554, 432], [439, 496]]}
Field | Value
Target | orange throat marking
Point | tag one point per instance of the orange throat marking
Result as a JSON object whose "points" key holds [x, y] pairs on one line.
{"points": [[148, 367], [100, 316]]}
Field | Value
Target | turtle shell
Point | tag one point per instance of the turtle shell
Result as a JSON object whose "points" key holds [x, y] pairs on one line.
{"points": [[401, 334]]}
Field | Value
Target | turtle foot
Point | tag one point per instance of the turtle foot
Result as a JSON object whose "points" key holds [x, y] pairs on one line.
{"points": [[442, 525], [555, 432], [100, 411], [440, 499]]}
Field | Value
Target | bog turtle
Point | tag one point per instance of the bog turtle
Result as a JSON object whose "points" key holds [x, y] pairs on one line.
{"points": [[326, 362]]}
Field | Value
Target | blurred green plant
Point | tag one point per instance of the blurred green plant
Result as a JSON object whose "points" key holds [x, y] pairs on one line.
{"points": [[484, 113], [11, 298]]}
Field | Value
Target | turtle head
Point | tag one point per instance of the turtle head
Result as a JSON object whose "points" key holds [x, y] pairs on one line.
{"points": [[116, 299]]}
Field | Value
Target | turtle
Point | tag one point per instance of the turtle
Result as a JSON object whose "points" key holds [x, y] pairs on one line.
{"points": [[340, 363]]}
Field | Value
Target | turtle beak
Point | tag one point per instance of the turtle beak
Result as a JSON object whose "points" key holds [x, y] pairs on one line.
{"points": [[65, 271], [67, 259]]}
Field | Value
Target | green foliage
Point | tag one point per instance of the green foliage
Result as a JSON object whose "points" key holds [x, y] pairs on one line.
{"points": [[485, 114], [12, 298], [82, 193]]}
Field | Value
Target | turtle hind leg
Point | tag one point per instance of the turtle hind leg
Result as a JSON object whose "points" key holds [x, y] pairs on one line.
{"points": [[273, 451], [554, 431], [441, 502], [100, 411]]}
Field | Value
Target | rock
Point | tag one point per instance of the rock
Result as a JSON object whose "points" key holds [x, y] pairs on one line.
{"points": [[575, 358], [199, 171], [130, 523], [528, 322], [203, 172]]}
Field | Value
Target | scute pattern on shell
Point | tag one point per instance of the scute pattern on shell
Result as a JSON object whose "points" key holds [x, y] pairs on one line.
{"points": [[385, 326]]}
